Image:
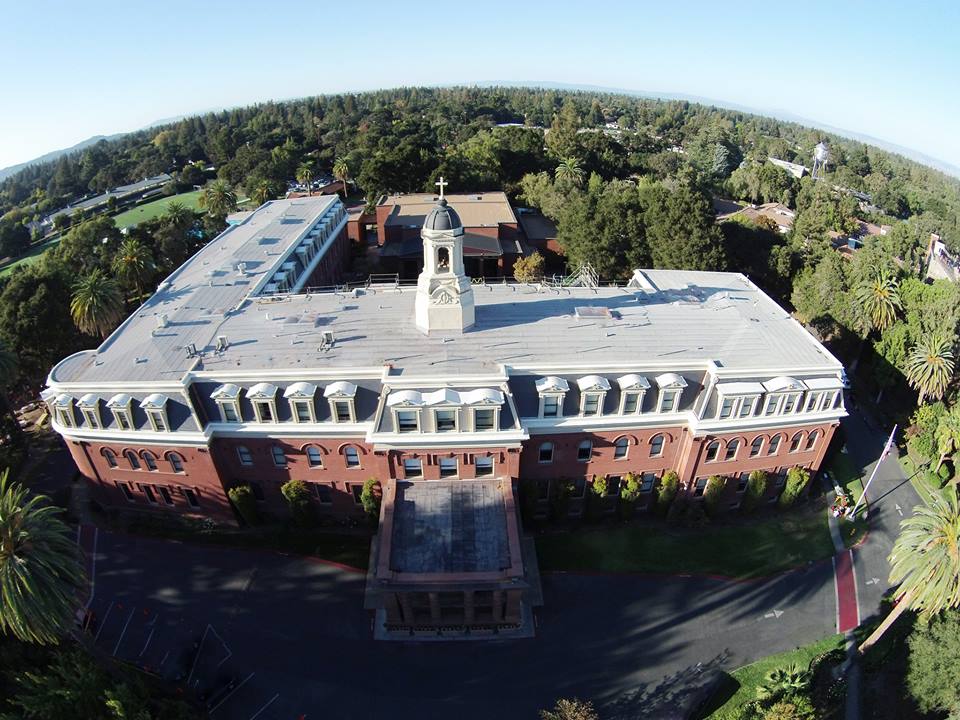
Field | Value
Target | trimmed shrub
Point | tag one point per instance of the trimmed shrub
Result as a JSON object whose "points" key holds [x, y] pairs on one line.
{"points": [[678, 509], [757, 485], [797, 479], [595, 495], [297, 495], [560, 493], [245, 504], [667, 491], [370, 498], [629, 494], [713, 494]]}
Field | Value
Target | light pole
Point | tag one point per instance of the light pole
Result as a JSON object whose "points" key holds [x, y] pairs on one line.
{"points": [[883, 455]]}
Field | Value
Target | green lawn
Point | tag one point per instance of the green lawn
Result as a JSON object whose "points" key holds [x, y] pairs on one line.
{"points": [[33, 254], [750, 677], [151, 210], [764, 546], [924, 482], [845, 473]]}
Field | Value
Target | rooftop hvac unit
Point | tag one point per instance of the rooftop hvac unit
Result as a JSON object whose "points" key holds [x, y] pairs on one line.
{"points": [[326, 340], [162, 320], [222, 343], [191, 350]]}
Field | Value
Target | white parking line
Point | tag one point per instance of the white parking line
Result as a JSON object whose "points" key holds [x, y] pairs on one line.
{"points": [[103, 622], [269, 703], [123, 632], [225, 697], [197, 656], [149, 638]]}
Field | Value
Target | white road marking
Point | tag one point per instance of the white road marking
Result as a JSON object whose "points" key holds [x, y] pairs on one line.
{"points": [[103, 622], [197, 656], [225, 697], [775, 614], [149, 638], [123, 632], [899, 509], [872, 581], [269, 703]]}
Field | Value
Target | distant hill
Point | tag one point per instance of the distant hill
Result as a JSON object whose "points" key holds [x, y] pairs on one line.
{"points": [[8, 171]]}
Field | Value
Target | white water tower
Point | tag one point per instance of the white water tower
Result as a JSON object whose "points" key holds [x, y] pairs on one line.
{"points": [[821, 154]]}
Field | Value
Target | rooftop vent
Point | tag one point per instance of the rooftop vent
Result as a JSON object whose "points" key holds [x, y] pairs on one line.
{"points": [[191, 350], [162, 320], [596, 313], [326, 340], [222, 343]]}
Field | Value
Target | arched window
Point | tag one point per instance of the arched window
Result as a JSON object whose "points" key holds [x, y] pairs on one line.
{"points": [[314, 458], [176, 462], [150, 460], [585, 450], [131, 457], [795, 442], [812, 439], [774, 445], [732, 447], [279, 457], [712, 450], [110, 456], [546, 452], [243, 455], [620, 448], [756, 446], [351, 456], [656, 446]]}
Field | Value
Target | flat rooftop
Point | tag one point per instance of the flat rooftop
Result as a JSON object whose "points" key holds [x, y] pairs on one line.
{"points": [[449, 526], [682, 317], [483, 209]]}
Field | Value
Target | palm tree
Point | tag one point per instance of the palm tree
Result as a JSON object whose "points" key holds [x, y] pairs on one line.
{"points": [[783, 681], [262, 193], [305, 175], [570, 169], [132, 263], [178, 214], [96, 305], [40, 573], [930, 365], [342, 173], [948, 434], [925, 561], [218, 198], [880, 298]]}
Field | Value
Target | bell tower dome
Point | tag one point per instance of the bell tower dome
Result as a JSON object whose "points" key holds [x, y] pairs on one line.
{"points": [[444, 295]]}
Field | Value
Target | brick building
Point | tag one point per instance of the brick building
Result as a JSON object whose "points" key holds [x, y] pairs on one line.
{"points": [[233, 373]]}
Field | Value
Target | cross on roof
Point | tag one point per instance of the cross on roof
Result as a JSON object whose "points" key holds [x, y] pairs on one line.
{"points": [[441, 184]]}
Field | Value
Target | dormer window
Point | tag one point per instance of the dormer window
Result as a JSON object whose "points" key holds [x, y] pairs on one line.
{"points": [[446, 420], [342, 396], [783, 395], [155, 406], [822, 394], [632, 391], [300, 396], [90, 409], [63, 410], [227, 398], [671, 388], [484, 419], [119, 405], [484, 408], [552, 390], [263, 397], [737, 399], [405, 406], [593, 390]]}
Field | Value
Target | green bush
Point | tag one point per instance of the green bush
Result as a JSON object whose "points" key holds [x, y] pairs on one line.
{"points": [[922, 434], [677, 513], [667, 491], [245, 503], [370, 498], [757, 485], [560, 493], [297, 495], [713, 494], [595, 495], [797, 479], [629, 494], [933, 671]]}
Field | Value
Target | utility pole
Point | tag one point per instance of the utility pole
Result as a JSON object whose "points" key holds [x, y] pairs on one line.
{"points": [[883, 455]]}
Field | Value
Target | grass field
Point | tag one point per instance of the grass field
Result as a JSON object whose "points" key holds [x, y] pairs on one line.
{"points": [[31, 257], [762, 547], [151, 210], [844, 473]]}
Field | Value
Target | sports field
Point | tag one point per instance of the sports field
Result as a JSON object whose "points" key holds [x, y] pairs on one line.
{"points": [[151, 210]]}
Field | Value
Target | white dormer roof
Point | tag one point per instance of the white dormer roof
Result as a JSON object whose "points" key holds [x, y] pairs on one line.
{"points": [[831, 383], [228, 391], [262, 391], [740, 388], [593, 382], [404, 397], [783, 383], [340, 389], [670, 380], [446, 396], [300, 390], [89, 401], [156, 401], [63, 400], [633, 382], [120, 400], [552, 383], [482, 396]]}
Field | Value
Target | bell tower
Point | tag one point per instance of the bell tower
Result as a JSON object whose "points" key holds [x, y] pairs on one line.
{"points": [[444, 295]]}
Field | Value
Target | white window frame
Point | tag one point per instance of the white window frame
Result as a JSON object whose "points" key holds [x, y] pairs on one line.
{"points": [[540, 448], [558, 398], [711, 445], [639, 394], [298, 404], [554, 388], [228, 396], [726, 449], [661, 400], [406, 468], [122, 417], [341, 392], [485, 461], [273, 456], [663, 443], [234, 406], [748, 401], [258, 407], [727, 407], [774, 443], [588, 444], [175, 466], [396, 419], [495, 414], [759, 447], [298, 395], [599, 395], [351, 410], [456, 419], [244, 456], [310, 458], [155, 415], [737, 405], [65, 415], [632, 385], [447, 461], [356, 453], [621, 442], [91, 417]]}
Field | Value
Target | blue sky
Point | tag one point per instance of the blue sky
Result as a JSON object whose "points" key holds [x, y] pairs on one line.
{"points": [[72, 70]]}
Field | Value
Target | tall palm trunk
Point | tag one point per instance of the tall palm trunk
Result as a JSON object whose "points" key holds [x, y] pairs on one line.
{"points": [[889, 620]]}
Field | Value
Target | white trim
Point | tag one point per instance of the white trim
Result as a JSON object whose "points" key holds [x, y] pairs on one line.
{"points": [[595, 383], [351, 409], [552, 384], [456, 419], [340, 389], [784, 383], [640, 395], [633, 381], [601, 397]]}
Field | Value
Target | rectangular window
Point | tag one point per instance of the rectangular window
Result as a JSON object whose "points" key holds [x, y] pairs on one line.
{"points": [[412, 468], [731, 451], [646, 481], [314, 458], [483, 466], [773, 404], [279, 457], [301, 409], [228, 412], [591, 404], [165, 494], [742, 482], [656, 446], [148, 491], [584, 451], [264, 411], [342, 410], [65, 417], [351, 457], [157, 420], [357, 492], [781, 479], [127, 492], [91, 418], [668, 400], [324, 493], [243, 453], [700, 486], [790, 403], [774, 445], [546, 453], [746, 406], [123, 419], [193, 500], [407, 421], [448, 467], [631, 403], [726, 408], [551, 406], [483, 419], [176, 463], [446, 420]]}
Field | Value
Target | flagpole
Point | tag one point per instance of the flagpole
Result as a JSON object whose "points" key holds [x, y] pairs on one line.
{"points": [[886, 451]]}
